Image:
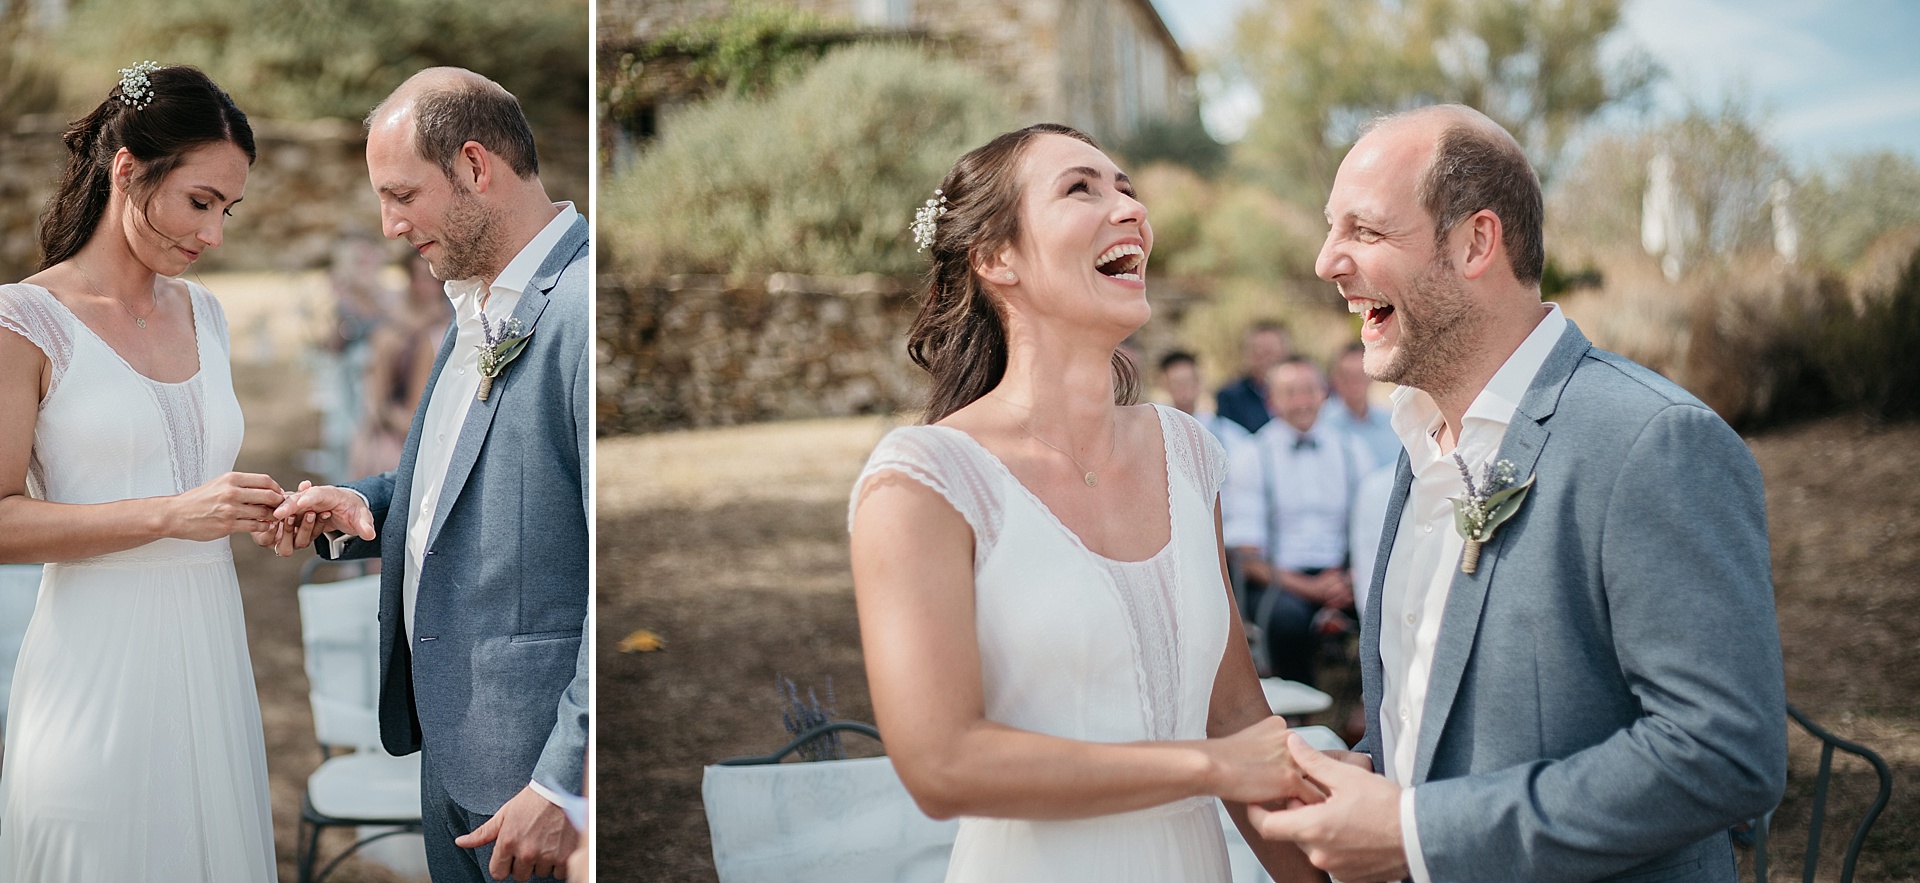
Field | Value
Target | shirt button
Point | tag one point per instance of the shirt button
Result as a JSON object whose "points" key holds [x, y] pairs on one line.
{"points": [[463, 373], [1403, 715], [1428, 528], [1409, 619]]}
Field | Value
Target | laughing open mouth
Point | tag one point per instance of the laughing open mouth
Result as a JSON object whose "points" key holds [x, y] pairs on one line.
{"points": [[1123, 261], [1374, 312]]}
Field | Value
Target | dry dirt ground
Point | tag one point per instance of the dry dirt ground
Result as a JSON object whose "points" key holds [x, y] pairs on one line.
{"points": [[731, 545]]}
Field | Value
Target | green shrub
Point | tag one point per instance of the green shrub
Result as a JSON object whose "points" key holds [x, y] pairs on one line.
{"points": [[1872, 351], [338, 58], [821, 176]]}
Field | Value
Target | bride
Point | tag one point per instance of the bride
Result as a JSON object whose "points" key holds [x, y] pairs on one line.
{"points": [[1050, 639], [133, 747]]}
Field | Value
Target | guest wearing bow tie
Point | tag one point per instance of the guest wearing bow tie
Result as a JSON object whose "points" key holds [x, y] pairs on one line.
{"points": [[1286, 511]]}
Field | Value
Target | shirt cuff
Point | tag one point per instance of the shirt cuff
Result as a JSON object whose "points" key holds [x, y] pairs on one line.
{"points": [[1410, 839], [575, 807], [337, 539]]}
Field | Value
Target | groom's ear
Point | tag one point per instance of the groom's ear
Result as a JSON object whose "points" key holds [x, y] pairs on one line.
{"points": [[473, 165]]}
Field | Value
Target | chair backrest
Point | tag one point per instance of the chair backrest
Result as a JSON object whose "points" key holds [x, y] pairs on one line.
{"points": [[1829, 743], [830, 821], [19, 589], [339, 629]]}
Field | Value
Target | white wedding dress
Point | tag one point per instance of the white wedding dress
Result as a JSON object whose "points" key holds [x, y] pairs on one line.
{"points": [[133, 745], [1080, 646]]}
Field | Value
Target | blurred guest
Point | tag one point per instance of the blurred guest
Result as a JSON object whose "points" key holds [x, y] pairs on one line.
{"points": [[1349, 409], [1244, 401], [399, 364], [1180, 377], [360, 304], [1287, 514]]}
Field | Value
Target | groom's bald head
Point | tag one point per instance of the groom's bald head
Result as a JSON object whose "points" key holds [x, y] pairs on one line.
{"points": [[448, 107]]}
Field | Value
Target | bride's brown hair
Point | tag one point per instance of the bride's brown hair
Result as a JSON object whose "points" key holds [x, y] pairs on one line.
{"points": [[186, 110], [959, 335]]}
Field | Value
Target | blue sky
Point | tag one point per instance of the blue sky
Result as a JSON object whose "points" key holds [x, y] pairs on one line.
{"points": [[1829, 76]]}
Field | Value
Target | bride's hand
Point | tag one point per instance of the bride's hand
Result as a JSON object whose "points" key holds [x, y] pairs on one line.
{"points": [[237, 502], [1254, 766]]}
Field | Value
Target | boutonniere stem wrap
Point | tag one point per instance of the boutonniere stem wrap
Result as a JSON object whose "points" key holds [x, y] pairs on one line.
{"points": [[1486, 505], [504, 343]]}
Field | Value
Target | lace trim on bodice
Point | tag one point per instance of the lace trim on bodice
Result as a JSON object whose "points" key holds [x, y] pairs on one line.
{"points": [[946, 461], [1147, 591]]}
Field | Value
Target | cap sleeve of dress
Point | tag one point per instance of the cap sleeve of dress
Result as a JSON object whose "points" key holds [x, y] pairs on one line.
{"points": [[949, 463], [1194, 451], [31, 312]]}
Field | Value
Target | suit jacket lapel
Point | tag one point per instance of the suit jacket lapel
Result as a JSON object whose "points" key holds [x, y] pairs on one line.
{"points": [[1525, 438], [473, 432], [1372, 669]]}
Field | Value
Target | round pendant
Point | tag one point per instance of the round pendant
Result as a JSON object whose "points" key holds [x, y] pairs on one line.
{"points": [[1092, 481], [139, 321]]}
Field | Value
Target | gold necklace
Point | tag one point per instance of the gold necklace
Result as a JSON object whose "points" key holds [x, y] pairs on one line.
{"points": [[138, 320], [1089, 477]]}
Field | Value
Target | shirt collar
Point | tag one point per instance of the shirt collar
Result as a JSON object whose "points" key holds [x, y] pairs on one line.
{"points": [[515, 276], [1415, 415]]}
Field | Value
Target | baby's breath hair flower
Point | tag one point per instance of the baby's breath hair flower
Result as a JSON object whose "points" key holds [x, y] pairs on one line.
{"points": [[136, 91], [926, 220]]}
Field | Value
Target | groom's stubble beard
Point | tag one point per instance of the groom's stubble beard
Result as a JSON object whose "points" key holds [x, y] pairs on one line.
{"points": [[1436, 331], [472, 240]]}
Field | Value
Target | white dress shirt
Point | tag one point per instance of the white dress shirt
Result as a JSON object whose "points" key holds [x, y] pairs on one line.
{"points": [[1289, 495], [1427, 549]]}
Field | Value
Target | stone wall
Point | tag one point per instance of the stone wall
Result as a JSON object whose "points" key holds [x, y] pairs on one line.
{"points": [[306, 189], [695, 351], [700, 351]]}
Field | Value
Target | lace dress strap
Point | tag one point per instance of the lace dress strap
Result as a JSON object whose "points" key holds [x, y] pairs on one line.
{"points": [[1194, 451], [950, 463], [29, 311], [206, 306]]}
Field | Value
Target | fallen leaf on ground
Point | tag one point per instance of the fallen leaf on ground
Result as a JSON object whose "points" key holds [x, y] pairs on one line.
{"points": [[642, 641]]}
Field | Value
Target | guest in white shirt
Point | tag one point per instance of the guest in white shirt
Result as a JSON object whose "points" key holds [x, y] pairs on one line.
{"points": [[1180, 377], [1350, 410], [1286, 511]]}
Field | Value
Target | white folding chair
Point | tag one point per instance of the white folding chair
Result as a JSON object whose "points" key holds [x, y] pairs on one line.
{"points": [[19, 588], [829, 821], [339, 629]]}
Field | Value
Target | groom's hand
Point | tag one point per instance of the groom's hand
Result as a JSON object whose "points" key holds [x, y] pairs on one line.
{"points": [[312, 511], [531, 838], [1355, 834]]}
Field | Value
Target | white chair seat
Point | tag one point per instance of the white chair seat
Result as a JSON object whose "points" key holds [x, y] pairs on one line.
{"points": [[367, 785], [832, 821], [1292, 697]]}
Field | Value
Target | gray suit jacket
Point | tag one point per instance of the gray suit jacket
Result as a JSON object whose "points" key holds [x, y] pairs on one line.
{"points": [[1606, 696], [494, 686]]}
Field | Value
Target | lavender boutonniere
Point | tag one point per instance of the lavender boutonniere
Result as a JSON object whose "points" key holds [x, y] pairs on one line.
{"points": [[1486, 505], [503, 344]]}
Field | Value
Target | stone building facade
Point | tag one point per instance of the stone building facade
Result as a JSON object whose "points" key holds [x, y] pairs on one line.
{"points": [[1108, 67]]}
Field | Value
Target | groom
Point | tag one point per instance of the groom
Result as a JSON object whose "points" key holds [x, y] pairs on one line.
{"points": [[1600, 694], [482, 531]]}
